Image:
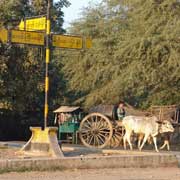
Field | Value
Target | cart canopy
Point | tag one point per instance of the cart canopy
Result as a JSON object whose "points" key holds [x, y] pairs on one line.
{"points": [[67, 109]]}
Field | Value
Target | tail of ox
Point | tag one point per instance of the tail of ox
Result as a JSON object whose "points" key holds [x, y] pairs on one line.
{"points": [[149, 126]]}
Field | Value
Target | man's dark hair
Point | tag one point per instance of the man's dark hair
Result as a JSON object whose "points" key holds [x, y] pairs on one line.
{"points": [[121, 102]]}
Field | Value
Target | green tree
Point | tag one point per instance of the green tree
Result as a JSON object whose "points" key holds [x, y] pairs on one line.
{"points": [[11, 12], [22, 66], [135, 54]]}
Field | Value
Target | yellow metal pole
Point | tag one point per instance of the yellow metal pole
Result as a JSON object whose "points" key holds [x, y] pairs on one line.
{"points": [[48, 30], [46, 137]]}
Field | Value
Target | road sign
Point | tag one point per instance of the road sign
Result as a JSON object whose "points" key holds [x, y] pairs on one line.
{"points": [[25, 37], [66, 41], [88, 43], [33, 24], [3, 35]]}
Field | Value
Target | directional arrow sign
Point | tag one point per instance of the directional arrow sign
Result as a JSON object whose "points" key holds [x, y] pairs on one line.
{"points": [[66, 41], [3, 35], [33, 24], [26, 37]]}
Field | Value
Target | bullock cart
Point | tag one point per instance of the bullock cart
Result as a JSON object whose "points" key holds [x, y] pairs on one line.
{"points": [[99, 128]]}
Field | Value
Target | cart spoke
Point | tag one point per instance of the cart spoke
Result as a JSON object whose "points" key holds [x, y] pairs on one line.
{"points": [[102, 135], [97, 140], [117, 138], [90, 123], [92, 118], [99, 125], [104, 131], [100, 139], [90, 139], [85, 131], [87, 126], [95, 122], [94, 142]]}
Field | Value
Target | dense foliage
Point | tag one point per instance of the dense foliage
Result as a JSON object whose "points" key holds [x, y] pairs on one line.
{"points": [[22, 67], [135, 54]]}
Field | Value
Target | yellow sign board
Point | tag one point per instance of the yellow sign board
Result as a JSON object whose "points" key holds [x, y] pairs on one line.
{"points": [[25, 37], [33, 24], [3, 35], [88, 43], [64, 41]]}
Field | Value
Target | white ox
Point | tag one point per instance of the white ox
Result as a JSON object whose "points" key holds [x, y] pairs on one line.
{"points": [[149, 126]]}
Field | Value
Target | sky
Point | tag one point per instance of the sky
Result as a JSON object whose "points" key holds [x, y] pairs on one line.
{"points": [[73, 12]]}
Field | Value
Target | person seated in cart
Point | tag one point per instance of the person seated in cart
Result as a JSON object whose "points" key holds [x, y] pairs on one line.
{"points": [[120, 113]]}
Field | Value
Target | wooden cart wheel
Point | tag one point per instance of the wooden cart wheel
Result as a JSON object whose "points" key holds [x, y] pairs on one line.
{"points": [[95, 130], [117, 136]]}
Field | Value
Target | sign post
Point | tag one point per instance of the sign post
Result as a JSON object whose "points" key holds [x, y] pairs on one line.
{"points": [[44, 140], [48, 30]]}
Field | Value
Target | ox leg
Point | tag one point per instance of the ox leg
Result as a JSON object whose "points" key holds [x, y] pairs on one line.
{"points": [[139, 140], [168, 147], [128, 137], [139, 143], [124, 141], [144, 141], [166, 143], [155, 143], [163, 146]]}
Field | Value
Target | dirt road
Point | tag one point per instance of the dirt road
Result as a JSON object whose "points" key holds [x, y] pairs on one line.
{"points": [[101, 174]]}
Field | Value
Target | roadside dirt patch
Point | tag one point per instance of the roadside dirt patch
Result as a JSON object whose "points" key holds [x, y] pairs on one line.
{"points": [[100, 174], [7, 153]]}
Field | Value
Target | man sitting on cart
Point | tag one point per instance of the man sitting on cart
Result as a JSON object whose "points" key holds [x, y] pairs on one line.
{"points": [[120, 113]]}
